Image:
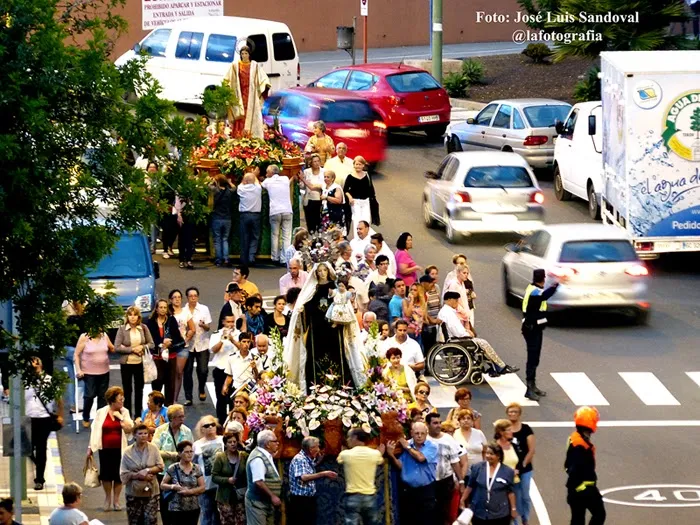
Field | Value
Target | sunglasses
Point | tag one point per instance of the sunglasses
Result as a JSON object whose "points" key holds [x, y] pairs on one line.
{"points": [[424, 392], [209, 425]]}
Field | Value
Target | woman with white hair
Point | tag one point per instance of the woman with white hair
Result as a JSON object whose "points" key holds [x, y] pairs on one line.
{"points": [[320, 143], [264, 480], [205, 449], [367, 264]]}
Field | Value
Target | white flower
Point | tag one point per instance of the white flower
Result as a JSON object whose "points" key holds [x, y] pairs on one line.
{"points": [[349, 412], [315, 414], [366, 428], [378, 421], [310, 398], [363, 417], [323, 398], [333, 415], [309, 406], [290, 432], [343, 394], [347, 422], [324, 389], [356, 404], [314, 424]]}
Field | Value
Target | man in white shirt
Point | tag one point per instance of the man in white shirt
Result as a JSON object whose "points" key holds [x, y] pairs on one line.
{"points": [[250, 208], [240, 366], [341, 165], [383, 249], [448, 466], [277, 187], [295, 278], [455, 330], [411, 353], [199, 346], [233, 305], [264, 359], [264, 482], [222, 346], [367, 319], [363, 236]]}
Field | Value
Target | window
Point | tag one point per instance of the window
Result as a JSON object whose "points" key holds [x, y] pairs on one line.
{"points": [[258, 47], [484, 118], [221, 48], [412, 82], [597, 252], [502, 119], [129, 259], [283, 46], [539, 243], [348, 111], [334, 80], [361, 81], [518, 120], [498, 177], [294, 107], [156, 42], [570, 124], [447, 169], [546, 116], [189, 45]]}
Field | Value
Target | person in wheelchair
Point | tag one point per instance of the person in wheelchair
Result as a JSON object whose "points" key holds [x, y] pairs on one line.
{"points": [[455, 330]]}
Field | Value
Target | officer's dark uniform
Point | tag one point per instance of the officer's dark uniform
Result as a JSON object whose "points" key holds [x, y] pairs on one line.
{"points": [[582, 493], [534, 322]]}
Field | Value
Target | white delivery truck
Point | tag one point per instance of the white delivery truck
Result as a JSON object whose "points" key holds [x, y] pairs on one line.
{"points": [[651, 148]]}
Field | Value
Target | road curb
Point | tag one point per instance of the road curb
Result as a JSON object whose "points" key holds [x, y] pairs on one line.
{"points": [[470, 105]]}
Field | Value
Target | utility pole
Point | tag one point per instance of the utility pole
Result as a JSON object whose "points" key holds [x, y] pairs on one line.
{"points": [[19, 466], [354, 32], [437, 40]]}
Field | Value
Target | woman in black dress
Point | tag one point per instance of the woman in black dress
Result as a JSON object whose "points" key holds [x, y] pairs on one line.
{"points": [[359, 193], [277, 318]]}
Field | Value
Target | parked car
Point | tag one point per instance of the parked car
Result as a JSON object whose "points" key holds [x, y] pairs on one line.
{"points": [[348, 118], [189, 56], [132, 271], [407, 98], [525, 126], [483, 192], [601, 268]]}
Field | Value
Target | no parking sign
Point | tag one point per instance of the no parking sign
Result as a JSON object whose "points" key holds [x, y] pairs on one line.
{"points": [[364, 7]]}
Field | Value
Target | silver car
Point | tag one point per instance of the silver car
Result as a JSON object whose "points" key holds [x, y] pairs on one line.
{"points": [[595, 263], [483, 192], [523, 125]]}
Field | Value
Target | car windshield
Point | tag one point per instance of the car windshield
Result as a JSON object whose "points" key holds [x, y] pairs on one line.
{"points": [[546, 116], [129, 259], [412, 82], [498, 177], [348, 111], [597, 252]]}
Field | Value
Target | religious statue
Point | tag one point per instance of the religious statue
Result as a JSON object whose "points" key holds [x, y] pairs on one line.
{"points": [[316, 344], [251, 85]]}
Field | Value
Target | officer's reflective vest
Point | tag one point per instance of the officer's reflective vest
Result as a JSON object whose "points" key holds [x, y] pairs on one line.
{"points": [[528, 291]]}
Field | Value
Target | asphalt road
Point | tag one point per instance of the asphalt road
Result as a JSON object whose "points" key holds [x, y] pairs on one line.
{"points": [[646, 439]]}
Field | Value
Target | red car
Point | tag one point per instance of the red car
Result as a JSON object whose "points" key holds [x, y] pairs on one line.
{"points": [[407, 98], [348, 118]]}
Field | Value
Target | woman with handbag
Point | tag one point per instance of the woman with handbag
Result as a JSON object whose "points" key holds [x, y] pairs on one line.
{"points": [[140, 464], [168, 341], [46, 418], [360, 194], [132, 341], [229, 473], [184, 482], [108, 438]]}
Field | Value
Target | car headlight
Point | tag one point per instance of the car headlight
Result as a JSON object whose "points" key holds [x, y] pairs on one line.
{"points": [[143, 302]]}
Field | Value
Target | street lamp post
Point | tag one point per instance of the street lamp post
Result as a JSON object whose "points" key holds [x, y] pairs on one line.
{"points": [[437, 40]]}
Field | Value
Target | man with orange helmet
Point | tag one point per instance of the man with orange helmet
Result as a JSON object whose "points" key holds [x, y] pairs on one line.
{"points": [[580, 466]]}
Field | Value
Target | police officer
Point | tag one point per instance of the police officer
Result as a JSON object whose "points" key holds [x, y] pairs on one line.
{"points": [[582, 493], [534, 322]]}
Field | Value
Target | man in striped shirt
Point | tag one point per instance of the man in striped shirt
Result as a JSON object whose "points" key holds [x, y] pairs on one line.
{"points": [[302, 482]]}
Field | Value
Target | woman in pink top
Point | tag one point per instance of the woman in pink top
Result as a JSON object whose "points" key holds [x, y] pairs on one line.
{"points": [[406, 268], [92, 366]]}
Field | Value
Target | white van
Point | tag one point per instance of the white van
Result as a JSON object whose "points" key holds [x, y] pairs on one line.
{"points": [[578, 158], [189, 56]]}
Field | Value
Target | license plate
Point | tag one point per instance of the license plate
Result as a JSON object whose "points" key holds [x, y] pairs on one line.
{"points": [[677, 246], [352, 133], [691, 245], [499, 219], [429, 118]]}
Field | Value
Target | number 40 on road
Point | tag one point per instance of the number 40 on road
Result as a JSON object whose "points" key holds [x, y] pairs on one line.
{"points": [[654, 495]]}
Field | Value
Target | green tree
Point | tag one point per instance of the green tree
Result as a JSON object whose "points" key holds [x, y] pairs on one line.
{"points": [[695, 122], [651, 33], [69, 134]]}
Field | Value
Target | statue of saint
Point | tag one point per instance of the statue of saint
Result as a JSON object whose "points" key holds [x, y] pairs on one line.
{"points": [[251, 85]]}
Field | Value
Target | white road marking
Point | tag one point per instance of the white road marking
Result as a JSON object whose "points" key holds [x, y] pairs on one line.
{"points": [[212, 392], [441, 396], [621, 424], [538, 504], [580, 389], [649, 389], [695, 376], [510, 389]]}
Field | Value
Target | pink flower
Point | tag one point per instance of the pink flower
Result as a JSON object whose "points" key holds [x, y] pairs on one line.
{"points": [[264, 398], [276, 382], [380, 388], [255, 422]]}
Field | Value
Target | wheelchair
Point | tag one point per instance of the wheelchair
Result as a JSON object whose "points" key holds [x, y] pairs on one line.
{"points": [[457, 361]]}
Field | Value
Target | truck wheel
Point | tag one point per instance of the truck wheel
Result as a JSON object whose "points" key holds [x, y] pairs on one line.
{"points": [[593, 207], [559, 192]]}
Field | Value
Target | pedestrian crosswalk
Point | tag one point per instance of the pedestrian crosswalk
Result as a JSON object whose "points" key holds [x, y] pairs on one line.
{"points": [[580, 389]]}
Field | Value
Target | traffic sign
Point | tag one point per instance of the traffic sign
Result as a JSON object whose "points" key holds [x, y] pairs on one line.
{"points": [[364, 7]]}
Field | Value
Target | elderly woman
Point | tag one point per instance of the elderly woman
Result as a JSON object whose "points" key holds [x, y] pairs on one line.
{"points": [[332, 200], [422, 391], [133, 339], [458, 285], [185, 481], [205, 449], [490, 489], [403, 375], [108, 438], [524, 441], [463, 398], [141, 462], [312, 180], [155, 414], [406, 268], [359, 191], [91, 360], [367, 264], [320, 143], [229, 475], [472, 439]]}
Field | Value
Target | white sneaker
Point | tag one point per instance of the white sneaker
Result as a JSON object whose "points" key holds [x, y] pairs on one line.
{"points": [[166, 255]]}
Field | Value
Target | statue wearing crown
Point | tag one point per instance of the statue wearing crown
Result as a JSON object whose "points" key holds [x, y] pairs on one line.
{"points": [[317, 347]]}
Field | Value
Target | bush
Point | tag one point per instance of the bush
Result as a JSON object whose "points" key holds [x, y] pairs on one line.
{"points": [[588, 88], [473, 72], [456, 85], [538, 53]]}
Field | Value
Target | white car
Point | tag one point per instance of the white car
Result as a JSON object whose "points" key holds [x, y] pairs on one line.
{"points": [[483, 192], [598, 263]]}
